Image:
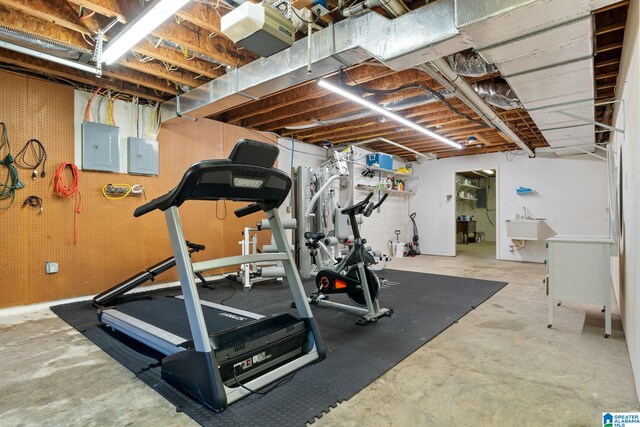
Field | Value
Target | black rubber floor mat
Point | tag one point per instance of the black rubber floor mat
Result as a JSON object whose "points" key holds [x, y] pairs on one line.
{"points": [[424, 305]]}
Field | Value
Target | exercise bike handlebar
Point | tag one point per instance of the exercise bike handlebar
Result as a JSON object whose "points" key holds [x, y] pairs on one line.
{"points": [[357, 208]]}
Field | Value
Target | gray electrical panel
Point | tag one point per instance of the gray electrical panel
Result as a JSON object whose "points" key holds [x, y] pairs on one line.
{"points": [[143, 156], [100, 147]]}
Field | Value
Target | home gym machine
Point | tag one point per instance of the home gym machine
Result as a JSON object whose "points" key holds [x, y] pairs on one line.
{"points": [[352, 274], [318, 195], [113, 295], [251, 273], [245, 351]]}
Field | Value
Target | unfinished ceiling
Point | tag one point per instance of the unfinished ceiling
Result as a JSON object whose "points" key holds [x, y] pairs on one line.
{"points": [[190, 51]]}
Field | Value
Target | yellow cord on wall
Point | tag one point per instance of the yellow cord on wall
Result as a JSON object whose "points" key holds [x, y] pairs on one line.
{"points": [[135, 189]]}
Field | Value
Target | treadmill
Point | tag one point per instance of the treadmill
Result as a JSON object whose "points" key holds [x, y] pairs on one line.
{"points": [[216, 353]]}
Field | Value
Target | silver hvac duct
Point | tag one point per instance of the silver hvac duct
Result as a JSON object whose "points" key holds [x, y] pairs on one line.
{"points": [[431, 32], [470, 64], [497, 93], [392, 7]]}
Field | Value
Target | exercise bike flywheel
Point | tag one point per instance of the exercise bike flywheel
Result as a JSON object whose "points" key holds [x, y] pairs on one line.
{"points": [[374, 285]]}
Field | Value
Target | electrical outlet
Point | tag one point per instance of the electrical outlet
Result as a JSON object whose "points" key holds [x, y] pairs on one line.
{"points": [[51, 267]]}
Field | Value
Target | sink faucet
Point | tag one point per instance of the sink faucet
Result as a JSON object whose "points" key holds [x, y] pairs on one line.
{"points": [[524, 208]]}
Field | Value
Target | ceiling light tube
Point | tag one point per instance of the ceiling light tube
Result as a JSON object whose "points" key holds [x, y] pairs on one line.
{"points": [[150, 18], [488, 171], [325, 84]]}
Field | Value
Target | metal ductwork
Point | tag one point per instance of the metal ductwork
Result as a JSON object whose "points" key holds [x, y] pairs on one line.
{"points": [[392, 7], [518, 36]]}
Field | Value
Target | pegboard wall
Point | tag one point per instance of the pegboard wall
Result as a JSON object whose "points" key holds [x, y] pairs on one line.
{"points": [[112, 244]]}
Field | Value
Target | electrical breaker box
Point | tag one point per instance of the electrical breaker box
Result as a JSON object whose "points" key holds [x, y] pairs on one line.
{"points": [[143, 156], [100, 147]]}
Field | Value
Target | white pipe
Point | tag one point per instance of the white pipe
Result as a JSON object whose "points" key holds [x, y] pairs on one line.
{"points": [[442, 66], [380, 139]]}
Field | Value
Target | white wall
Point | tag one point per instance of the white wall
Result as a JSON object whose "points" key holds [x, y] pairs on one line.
{"points": [[570, 193], [626, 274]]}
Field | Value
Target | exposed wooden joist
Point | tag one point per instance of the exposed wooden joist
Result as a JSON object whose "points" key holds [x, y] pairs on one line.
{"points": [[157, 69], [613, 6], [53, 11], [607, 75], [217, 48], [300, 94], [611, 46], [202, 16], [109, 8], [610, 28], [163, 54], [15, 19], [48, 68], [607, 63]]}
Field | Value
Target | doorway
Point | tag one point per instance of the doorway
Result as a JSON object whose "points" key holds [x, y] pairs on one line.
{"points": [[476, 201]]}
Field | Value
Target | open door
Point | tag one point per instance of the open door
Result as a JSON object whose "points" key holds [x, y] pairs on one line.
{"points": [[476, 213]]}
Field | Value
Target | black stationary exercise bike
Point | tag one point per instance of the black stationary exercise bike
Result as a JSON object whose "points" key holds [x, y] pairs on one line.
{"points": [[352, 274]]}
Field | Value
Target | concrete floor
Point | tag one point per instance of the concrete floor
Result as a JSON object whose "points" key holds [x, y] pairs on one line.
{"points": [[499, 365]]}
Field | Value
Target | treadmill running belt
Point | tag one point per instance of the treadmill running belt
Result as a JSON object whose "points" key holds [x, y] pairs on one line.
{"points": [[169, 313]]}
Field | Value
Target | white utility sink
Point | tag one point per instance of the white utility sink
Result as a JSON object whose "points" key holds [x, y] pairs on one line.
{"points": [[524, 229]]}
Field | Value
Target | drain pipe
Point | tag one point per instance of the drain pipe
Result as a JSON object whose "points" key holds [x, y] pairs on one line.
{"points": [[444, 68]]}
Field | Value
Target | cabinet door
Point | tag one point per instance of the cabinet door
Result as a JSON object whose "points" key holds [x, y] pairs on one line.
{"points": [[579, 272]]}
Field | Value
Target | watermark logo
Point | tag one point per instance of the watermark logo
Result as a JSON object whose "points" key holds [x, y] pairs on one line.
{"points": [[621, 419]]}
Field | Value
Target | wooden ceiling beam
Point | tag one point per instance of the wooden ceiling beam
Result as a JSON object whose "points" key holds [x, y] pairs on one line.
{"points": [[160, 70], [53, 11], [607, 75], [610, 28], [608, 47], [16, 19], [56, 70], [429, 120], [108, 8], [613, 6], [218, 48], [317, 110], [302, 93], [203, 16], [163, 54], [607, 63]]}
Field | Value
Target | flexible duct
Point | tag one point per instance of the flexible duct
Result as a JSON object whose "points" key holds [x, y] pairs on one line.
{"points": [[469, 63], [497, 93], [459, 82], [40, 44]]}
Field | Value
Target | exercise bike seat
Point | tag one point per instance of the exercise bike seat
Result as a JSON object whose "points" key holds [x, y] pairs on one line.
{"points": [[309, 235]]}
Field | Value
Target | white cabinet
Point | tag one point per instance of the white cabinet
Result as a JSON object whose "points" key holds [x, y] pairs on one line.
{"points": [[579, 271]]}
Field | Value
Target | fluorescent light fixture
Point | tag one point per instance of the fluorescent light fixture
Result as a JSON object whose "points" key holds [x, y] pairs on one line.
{"points": [[325, 84], [150, 18], [488, 171]]}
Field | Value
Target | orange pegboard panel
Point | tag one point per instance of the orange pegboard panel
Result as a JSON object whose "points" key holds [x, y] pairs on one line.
{"points": [[112, 244]]}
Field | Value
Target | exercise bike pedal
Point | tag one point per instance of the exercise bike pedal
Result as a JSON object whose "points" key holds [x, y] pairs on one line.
{"points": [[363, 321]]}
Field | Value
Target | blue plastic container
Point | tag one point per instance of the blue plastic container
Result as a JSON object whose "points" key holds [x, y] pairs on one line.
{"points": [[381, 160]]}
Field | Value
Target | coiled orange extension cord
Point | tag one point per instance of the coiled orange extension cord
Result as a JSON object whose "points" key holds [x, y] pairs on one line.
{"points": [[67, 191]]}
